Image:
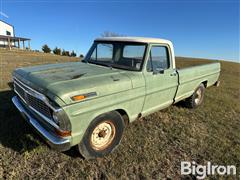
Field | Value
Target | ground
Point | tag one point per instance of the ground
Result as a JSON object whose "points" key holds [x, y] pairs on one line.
{"points": [[151, 148]]}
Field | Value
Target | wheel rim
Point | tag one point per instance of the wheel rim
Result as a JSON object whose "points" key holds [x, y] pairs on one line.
{"points": [[198, 96], [103, 135]]}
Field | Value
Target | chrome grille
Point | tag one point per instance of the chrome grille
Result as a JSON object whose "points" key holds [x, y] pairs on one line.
{"points": [[39, 105], [19, 90], [35, 103]]}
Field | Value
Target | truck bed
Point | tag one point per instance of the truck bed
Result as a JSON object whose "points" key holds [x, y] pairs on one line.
{"points": [[191, 77], [183, 62]]}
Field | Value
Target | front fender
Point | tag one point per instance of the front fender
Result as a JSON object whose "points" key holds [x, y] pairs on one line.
{"points": [[81, 114]]}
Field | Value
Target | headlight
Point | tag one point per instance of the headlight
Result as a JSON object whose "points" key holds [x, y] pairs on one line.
{"points": [[61, 119], [55, 118]]}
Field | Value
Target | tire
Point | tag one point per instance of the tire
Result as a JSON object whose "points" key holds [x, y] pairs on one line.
{"points": [[102, 136], [196, 99]]}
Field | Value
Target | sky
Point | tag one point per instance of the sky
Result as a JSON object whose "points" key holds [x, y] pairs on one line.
{"points": [[197, 28]]}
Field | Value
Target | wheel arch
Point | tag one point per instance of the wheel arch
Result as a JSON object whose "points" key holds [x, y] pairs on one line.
{"points": [[87, 150], [80, 127], [205, 83], [124, 115]]}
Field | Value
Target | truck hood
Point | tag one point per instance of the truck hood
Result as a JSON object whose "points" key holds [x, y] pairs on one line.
{"points": [[70, 79]]}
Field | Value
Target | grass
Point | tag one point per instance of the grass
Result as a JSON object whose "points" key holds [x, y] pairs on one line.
{"points": [[151, 148], [10, 60]]}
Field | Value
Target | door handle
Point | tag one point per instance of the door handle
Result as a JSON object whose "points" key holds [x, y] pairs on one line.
{"points": [[173, 74]]}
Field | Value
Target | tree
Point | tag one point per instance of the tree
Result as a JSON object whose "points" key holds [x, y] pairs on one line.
{"points": [[65, 53], [110, 34], [46, 49], [57, 51], [73, 54], [81, 56]]}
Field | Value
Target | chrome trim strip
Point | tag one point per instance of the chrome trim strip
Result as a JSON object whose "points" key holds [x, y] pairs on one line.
{"points": [[50, 137], [32, 94], [45, 118]]}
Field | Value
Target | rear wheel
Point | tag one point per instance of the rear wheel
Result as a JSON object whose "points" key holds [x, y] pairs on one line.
{"points": [[102, 136], [197, 97]]}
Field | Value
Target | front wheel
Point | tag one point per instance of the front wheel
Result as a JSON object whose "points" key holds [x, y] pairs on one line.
{"points": [[197, 97], [102, 136]]}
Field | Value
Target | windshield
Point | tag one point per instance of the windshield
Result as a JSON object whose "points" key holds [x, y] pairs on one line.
{"points": [[122, 55]]}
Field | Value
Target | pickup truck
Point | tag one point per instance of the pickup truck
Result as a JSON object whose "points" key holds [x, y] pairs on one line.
{"points": [[87, 104]]}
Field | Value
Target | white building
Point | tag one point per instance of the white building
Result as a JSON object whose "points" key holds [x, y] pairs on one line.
{"points": [[8, 38], [6, 30]]}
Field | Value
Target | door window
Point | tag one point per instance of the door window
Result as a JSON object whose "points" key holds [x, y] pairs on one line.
{"points": [[158, 58]]}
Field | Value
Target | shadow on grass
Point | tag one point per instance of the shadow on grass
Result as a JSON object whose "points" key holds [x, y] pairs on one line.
{"points": [[181, 104], [73, 152], [15, 133]]}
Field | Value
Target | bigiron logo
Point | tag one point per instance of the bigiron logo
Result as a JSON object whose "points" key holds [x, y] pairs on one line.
{"points": [[202, 171]]}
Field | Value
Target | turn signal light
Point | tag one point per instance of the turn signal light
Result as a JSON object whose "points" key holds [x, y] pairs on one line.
{"points": [[78, 98]]}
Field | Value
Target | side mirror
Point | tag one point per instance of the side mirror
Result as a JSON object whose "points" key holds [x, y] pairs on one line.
{"points": [[158, 71]]}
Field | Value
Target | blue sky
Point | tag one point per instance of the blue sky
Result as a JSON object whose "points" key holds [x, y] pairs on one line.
{"points": [[198, 28]]}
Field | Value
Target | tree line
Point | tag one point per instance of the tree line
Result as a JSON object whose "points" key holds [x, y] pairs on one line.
{"points": [[59, 51]]}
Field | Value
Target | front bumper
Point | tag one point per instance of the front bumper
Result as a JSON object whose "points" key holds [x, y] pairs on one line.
{"points": [[56, 142]]}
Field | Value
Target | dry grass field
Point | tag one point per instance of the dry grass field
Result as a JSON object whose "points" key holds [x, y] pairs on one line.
{"points": [[151, 148], [9, 60]]}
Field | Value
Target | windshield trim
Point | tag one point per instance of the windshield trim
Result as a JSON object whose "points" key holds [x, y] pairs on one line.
{"points": [[87, 57]]}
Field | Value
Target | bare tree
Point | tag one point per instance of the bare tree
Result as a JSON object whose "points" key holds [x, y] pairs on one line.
{"points": [[110, 34]]}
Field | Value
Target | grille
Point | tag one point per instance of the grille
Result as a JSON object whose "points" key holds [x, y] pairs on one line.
{"points": [[32, 101]]}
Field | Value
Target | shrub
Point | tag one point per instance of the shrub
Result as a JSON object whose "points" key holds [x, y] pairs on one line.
{"points": [[73, 54], [46, 49], [65, 53], [57, 51]]}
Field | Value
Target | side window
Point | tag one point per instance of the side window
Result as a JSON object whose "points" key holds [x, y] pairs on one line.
{"points": [[158, 58], [102, 52]]}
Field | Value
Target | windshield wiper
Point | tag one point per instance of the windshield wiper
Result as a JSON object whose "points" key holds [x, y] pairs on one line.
{"points": [[101, 64], [109, 65]]}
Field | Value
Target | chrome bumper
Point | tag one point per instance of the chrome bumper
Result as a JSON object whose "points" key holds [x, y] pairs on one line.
{"points": [[54, 141]]}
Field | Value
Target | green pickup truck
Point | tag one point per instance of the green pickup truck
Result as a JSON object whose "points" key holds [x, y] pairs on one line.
{"points": [[88, 104]]}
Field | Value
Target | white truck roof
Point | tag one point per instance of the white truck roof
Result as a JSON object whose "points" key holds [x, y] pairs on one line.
{"points": [[135, 39]]}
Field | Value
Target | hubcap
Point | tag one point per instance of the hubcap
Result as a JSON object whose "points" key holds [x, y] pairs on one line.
{"points": [[198, 96], [103, 135]]}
